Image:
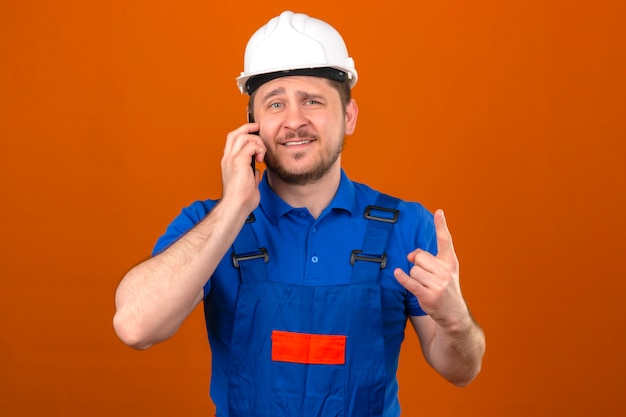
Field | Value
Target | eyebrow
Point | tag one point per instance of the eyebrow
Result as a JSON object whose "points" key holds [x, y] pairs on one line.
{"points": [[281, 90], [272, 93]]}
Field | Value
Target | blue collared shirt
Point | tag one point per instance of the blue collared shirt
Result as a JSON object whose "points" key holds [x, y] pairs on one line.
{"points": [[307, 251]]}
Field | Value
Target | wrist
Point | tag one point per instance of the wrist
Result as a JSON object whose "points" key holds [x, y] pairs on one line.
{"points": [[461, 322], [235, 208]]}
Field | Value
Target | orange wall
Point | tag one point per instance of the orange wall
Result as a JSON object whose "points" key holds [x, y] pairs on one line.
{"points": [[507, 114]]}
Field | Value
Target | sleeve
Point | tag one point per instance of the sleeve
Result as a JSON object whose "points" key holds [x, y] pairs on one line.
{"points": [[426, 239]]}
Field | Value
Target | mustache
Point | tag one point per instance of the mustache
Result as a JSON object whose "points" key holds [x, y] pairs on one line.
{"points": [[300, 134]]}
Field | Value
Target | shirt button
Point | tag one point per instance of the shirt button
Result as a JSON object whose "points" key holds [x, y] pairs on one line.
{"points": [[314, 259], [314, 229]]}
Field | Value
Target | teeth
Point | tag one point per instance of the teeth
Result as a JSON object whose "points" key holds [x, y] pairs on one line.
{"points": [[302, 142]]}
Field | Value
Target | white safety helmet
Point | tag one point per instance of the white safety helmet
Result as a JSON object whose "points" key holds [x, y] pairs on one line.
{"points": [[295, 44]]}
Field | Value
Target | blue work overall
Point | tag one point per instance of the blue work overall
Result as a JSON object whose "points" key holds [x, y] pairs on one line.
{"points": [[314, 351]]}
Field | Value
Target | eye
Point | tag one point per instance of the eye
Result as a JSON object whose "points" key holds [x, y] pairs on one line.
{"points": [[312, 102], [275, 105]]}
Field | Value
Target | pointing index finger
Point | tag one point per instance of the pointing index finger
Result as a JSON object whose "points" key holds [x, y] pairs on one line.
{"points": [[445, 247]]}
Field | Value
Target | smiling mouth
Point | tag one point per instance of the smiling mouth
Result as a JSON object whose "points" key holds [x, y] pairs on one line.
{"points": [[297, 142]]}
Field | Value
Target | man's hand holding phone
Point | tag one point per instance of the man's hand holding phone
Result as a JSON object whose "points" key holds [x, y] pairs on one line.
{"points": [[243, 147]]}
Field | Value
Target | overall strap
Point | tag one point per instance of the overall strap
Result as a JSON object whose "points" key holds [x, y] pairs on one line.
{"points": [[248, 256], [371, 259]]}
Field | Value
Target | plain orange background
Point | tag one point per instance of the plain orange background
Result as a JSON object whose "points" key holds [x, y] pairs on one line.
{"points": [[510, 115]]}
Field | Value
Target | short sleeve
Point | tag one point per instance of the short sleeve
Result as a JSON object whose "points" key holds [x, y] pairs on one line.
{"points": [[425, 239]]}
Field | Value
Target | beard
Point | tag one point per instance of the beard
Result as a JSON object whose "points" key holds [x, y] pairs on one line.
{"points": [[318, 171]]}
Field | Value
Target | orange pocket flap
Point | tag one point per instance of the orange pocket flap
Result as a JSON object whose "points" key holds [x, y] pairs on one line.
{"points": [[306, 348]]}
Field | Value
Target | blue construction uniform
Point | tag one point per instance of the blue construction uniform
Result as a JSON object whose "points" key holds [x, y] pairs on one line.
{"points": [[301, 318]]}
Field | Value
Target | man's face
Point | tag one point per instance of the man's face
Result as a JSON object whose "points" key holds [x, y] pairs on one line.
{"points": [[303, 123]]}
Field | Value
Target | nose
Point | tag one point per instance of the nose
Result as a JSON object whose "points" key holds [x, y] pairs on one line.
{"points": [[294, 118]]}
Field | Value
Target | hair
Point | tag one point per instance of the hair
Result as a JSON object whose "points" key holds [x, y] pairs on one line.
{"points": [[342, 87], [345, 92]]}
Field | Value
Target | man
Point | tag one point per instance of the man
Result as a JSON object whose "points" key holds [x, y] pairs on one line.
{"points": [[307, 278]]}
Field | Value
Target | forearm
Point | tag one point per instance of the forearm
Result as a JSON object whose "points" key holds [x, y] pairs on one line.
{"points": [[456, 352], [156, 296]]}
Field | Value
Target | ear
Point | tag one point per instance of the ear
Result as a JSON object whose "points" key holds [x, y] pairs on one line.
{"points": [[352, 111]]}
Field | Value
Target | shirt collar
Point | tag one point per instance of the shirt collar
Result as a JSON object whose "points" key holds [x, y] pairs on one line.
{"points": [[275, 207]]}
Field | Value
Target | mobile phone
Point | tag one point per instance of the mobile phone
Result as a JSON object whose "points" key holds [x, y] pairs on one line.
{"points": [[253, 162]]}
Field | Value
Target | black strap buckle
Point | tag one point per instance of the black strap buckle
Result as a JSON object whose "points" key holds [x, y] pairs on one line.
{"points": [[394, 214], [248, 257], [357, 256]]}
